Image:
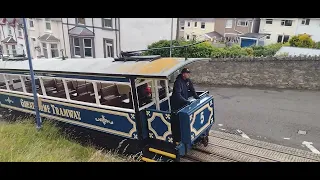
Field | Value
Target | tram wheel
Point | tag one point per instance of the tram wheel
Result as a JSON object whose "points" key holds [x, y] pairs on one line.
{"points": [[205, 141]]}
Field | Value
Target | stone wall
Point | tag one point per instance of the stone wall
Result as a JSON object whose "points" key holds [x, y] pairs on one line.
{"points": [[273, 72]]}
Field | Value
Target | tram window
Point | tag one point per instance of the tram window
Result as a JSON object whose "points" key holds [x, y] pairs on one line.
{"points": [[81, 91], [145, 94], [14, 83], [117, 95], [54, 87], [2, 82], [162, 89], [28, 84]]}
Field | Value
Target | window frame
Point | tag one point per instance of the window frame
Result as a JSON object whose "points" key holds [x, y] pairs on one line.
{"points": [[20, 32], [283, 22], [203, 25], [84, 48], [230, 23], [47, 21], [104, 24], [269, 20], [31, 22], [77, 21], [246, 23], [14, 49], [74, 46], [9, 31], [305, 21], [57, 49]]}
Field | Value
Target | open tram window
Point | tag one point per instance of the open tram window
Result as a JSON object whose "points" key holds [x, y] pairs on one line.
{"points": [[163, 90], [14, 82], [80, 90], [54, 87], [145, 94], [115, 94], [28, 84], [2, 82]]}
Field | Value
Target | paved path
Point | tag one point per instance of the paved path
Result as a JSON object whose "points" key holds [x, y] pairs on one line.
{"points": [[269, 115]]}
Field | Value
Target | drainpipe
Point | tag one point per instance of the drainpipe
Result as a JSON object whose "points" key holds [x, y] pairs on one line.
{"points": [[252, 24], [295, 33]]}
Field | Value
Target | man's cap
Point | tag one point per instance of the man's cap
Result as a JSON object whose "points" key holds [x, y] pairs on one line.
{"points": [[185, 70]]}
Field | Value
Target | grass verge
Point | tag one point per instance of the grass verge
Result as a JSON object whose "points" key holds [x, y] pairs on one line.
{"points": [[21, 142]]}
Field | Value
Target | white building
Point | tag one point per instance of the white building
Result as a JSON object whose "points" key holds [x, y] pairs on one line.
{"points": [[281, 29], [195, 28], [138, 33], [91, 37], [86, 37], [309, 26], [45, 37], [12, 37]]}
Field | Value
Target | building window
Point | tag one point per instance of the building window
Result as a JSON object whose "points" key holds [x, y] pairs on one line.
{"points": [[269, 21], [305, 21], [87, 47], [54, 50], [286, 22], [107, 22], [76, 45], [195, 24], [80, 21], [285, 38], [20, 32], [31, 25], [242, 23], [14, 51], [187, 36], [229, 23], [108, 48], [9, 31], [279, 39], [268, 37], [203, 25], [45, 50], [188, 24], [7, 47], [182, 27], [194, 37], [48, 24]]}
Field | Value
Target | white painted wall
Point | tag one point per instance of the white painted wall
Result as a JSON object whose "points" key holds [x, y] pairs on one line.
{"points": [[20, 46], [276, 29], [94, 25], [312, 29], [103, 33], [138, 33], [198, 31], [38, 30]]}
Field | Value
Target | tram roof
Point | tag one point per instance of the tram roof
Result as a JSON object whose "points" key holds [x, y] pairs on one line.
{"points": [[161, 67]]}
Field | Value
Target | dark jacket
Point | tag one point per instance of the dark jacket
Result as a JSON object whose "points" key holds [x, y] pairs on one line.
{"points": [[182, 90]]}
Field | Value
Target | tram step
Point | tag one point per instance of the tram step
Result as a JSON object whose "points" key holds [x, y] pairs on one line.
{"points": [[163, 153], [156, 155]]}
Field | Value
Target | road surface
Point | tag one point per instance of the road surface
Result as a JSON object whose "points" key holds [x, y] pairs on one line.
{"points": [[285, 117]]}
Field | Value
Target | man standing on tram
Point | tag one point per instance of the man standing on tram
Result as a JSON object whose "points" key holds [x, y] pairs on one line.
{"points": [[182, 90]]}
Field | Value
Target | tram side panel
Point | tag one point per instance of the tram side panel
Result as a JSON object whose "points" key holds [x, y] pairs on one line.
{"points": [[196, 120], [109, 121]]}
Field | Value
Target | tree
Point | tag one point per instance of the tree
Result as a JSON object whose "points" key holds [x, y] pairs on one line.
{"points": [[302, 40], [317, 46]]}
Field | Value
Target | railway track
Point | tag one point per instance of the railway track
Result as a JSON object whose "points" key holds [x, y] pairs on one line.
{"points": [[224, 147]]}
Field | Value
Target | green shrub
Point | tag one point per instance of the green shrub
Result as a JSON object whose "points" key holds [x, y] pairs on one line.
{"points": [[302, 40], [206, 50], [317, 45]]}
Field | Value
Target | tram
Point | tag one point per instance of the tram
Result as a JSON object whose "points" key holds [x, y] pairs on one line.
{"points": [[127, 98]]}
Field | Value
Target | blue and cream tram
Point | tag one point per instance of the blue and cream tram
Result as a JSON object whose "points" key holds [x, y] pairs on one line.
{"points": [[128, 99]]}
